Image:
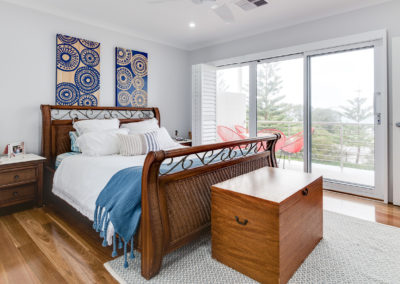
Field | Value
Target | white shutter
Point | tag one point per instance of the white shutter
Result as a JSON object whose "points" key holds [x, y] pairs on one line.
{"points": [[204, 104]]}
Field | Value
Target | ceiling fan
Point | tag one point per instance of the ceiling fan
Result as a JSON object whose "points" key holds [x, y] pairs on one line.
{"points": [[222, 10]]}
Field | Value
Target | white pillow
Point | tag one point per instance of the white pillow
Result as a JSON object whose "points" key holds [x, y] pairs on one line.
{"points": [[165, 140], [100, 143], [141, 127], [95, 125]]}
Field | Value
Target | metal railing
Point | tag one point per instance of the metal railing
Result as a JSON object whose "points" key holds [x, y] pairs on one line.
{"points": [[333, 143]]}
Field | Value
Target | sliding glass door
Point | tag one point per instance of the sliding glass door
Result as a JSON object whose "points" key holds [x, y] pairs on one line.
{"points": [[232, 103], [329, 105], [342, 104], [280, 107], [347, 135]]}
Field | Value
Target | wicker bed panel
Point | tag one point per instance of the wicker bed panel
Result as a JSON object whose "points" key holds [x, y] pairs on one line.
{"points": [[188, 200]]}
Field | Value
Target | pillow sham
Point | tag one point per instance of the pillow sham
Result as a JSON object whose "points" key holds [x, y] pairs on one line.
{"points": [[100, 143], [165, 140], [138, 144], [141, 127], [95, 125], [73, 136]]}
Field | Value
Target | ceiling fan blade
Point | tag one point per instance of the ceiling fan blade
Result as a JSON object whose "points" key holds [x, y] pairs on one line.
{"points": [[161, 1], [202, 1], [225, 13]]}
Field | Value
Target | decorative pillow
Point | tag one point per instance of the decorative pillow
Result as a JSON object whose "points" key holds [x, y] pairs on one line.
{"points": [[100, 143], [95, 125], [141, 127], [74, 148], [152, 141], [165, 140], [138, 144]]}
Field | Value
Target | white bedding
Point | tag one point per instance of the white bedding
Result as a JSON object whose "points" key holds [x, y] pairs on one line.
{"points": [[79, 180]]}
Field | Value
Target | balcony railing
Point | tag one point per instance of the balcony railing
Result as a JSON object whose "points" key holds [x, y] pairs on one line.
{"points": [[333, 143]]}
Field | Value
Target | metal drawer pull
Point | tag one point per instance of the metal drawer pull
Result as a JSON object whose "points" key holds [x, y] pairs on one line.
{"points": [[16, 177], [244, 223], [305, 191], [15, 193]]}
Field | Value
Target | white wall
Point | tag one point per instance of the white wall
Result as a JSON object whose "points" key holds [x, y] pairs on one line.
{"points": [[28, 72], [384, 16]]}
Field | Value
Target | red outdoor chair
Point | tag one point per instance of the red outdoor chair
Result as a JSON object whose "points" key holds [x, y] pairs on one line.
{"points": [[280, 142], [228, 134], [241, 130], [294, 144]]}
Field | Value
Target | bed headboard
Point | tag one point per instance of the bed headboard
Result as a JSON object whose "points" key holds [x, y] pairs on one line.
{"points": [[57, 123]]}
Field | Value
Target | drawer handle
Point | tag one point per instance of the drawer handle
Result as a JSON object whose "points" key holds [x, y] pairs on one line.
{"points": [[244, 223], [16, 177], [305, 192], [15, 193]]}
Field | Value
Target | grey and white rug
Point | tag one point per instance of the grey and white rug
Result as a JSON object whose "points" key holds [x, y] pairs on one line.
{"points": [[352, 251]]}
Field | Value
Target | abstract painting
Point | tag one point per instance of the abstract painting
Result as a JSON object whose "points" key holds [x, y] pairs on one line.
{"points": [[78, 71], [131, 77]]}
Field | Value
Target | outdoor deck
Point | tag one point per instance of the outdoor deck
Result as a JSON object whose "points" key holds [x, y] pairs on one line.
{"points": [[364, 177]]}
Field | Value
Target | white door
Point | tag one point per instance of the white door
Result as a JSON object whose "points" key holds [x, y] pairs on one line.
{"points": [[396, 119]]}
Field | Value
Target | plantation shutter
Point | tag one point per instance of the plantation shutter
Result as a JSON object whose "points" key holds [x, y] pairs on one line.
{"points": [[204, 104]]}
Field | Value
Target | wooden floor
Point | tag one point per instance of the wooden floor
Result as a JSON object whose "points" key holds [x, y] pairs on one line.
{"points": [[39, 246]]}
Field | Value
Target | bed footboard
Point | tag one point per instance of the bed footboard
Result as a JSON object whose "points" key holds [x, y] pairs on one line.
{"points": [[176, 191]]}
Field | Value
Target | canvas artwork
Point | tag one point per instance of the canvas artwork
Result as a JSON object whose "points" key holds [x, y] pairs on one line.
{"points": [[78, 71], [131, 78]]}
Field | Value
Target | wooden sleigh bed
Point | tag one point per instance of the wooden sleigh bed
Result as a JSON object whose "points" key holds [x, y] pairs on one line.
{"points": [[175, 205]]}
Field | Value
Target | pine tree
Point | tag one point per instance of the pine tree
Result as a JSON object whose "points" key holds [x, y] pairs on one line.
{"points": [[358, 112], [269, 100]]}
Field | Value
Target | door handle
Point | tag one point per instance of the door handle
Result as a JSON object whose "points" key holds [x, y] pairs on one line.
{"points": [[397, 124], [376, 109], [378, 118]]}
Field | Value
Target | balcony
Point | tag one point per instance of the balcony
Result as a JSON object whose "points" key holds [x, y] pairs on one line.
{"points": [[340, 151]]}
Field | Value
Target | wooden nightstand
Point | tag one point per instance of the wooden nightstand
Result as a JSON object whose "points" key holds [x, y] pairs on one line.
{"points": [[21, 180], [186, 142]]}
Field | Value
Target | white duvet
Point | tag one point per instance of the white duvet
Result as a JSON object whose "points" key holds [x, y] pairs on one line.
{"points": [[79, 180]]}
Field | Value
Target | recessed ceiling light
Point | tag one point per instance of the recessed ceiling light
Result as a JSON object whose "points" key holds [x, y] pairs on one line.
{"points": [[192, 25]]}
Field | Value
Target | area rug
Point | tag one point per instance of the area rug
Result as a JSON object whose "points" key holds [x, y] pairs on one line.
{"points": [[352, 251]]}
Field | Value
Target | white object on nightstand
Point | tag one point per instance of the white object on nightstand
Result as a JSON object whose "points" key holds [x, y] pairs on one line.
{"points": [[184, 142], [20, 159]]}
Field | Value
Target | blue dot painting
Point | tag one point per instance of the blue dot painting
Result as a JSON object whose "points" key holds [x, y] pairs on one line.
{"points": [[131, 78], [78, 71]]}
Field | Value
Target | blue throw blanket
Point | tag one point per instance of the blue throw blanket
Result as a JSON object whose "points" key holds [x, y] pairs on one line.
{"points": [[120, 203]]}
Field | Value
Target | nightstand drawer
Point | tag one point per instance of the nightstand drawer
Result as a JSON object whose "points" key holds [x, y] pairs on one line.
{"points": [[17, 176], [19, 193]]}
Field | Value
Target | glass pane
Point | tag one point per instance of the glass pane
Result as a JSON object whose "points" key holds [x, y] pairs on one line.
{"points": [[232, 103], [280, 108], [342, 90]]}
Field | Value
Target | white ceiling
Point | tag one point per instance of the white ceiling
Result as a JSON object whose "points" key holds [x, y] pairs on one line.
{"points": [[168, 22]]}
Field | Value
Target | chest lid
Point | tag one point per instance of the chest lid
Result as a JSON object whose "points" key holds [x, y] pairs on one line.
{"points": [[271, 184]]}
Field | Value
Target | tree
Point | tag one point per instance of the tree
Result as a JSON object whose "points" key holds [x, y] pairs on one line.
{"points": [[325, 139], [269, 100], [357, 111]]}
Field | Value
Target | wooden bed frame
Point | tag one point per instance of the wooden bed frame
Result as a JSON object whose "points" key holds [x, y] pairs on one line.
{"points": [[175, 205]]}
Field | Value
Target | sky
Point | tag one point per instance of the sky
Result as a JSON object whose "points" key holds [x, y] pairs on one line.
{"points": [[335, 78]]}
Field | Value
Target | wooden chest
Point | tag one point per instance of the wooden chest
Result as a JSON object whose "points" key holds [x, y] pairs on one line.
{"points": [[265, 223]]}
